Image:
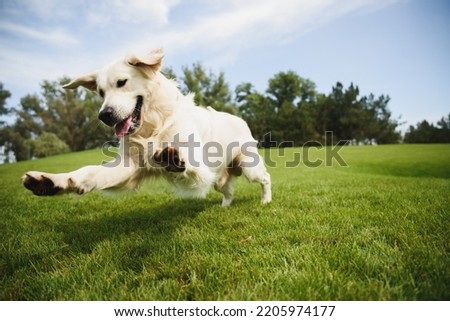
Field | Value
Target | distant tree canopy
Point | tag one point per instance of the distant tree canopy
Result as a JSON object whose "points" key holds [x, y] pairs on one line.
{"points": [[290, 109], [4, 95], [209, 89], [57, 121], [425, 132]]}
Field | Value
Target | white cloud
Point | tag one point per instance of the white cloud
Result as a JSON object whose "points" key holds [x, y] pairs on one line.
{"points": [[236, 26], [57, 37], [131, 12], [43, 9], [26, 69]]}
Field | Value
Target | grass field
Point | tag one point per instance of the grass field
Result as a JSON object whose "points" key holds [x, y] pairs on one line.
{"points": [[378, 229]]}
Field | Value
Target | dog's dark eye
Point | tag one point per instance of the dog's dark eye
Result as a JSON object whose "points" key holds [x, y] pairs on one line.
{"points": [[121, 82], [101, 93]]}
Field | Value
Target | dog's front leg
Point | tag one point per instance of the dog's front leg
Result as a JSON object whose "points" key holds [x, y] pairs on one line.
{"points": [[109, 175]]}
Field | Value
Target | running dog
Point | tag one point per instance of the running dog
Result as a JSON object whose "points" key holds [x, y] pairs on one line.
{"points": [[162, 133]]}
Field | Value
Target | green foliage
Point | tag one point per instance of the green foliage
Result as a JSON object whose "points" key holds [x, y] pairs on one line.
{"points": [[9, 138], [425, 132], [4, 95], [293, 111], [48, 144], [375, 230], [291, 96], [256, 109], [13, 141], [282, 111], [70, 115], [209, 89]]}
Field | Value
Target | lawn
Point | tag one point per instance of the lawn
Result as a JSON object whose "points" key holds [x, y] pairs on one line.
{"points": [[377, 229]]}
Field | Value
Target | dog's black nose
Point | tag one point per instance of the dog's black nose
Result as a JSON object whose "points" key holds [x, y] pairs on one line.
{"points": [[107, 116]]}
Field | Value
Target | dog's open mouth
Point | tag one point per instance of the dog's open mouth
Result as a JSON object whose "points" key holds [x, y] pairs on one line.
{"points": [[131, 123]]}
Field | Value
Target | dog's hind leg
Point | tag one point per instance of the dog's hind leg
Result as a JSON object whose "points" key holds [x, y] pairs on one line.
{"points": [[254, 170], [225, 186], [225, 183], [227, 190]]}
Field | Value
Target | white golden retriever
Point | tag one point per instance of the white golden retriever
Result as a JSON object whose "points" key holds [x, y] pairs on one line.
{"points": [[163, 133]]}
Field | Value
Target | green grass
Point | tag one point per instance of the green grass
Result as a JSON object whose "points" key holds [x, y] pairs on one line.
{"points": [[378, 229]]}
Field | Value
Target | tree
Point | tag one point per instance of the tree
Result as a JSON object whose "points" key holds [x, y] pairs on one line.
{"points": [[426, 132], [283, 92], [48, 144], [444, 123], [73, 116], [284, 88], [17, 138], [351, 116], [70, 115], [443, 130], [4, 95], [378, 123], [5, 133], [342, 112], [208, 88], [256, 109], [285, 110]]}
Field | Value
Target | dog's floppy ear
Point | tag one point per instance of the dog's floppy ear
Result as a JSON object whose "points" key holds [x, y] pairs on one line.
{"points": [[88, 81], [149, 62]]}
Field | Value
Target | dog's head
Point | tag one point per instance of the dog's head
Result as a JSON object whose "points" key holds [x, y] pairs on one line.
{"points": [[123, 86]]}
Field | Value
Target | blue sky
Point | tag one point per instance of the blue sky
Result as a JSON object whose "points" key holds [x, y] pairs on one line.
{"points": [[395, 47]]}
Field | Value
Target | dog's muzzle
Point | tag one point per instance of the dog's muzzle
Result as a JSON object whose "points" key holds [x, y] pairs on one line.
{"points": [[107, 116], [125, 126]]}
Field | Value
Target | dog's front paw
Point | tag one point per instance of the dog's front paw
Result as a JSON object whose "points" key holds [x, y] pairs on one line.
{"points": [[170, 159], [40, 185]]}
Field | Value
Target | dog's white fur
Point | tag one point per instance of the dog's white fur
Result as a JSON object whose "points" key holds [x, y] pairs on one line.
{"points": [[166, 113]]}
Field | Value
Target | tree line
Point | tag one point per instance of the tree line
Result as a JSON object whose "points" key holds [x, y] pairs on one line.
{"points": [[425, 132], [54, 122], [289, 110]]}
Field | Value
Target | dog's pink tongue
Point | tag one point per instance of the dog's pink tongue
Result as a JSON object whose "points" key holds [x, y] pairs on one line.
{"points": [[123, 127]]}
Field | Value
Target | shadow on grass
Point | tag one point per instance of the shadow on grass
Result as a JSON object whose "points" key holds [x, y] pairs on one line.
{"points": [[135, 234], [83, 234]]}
